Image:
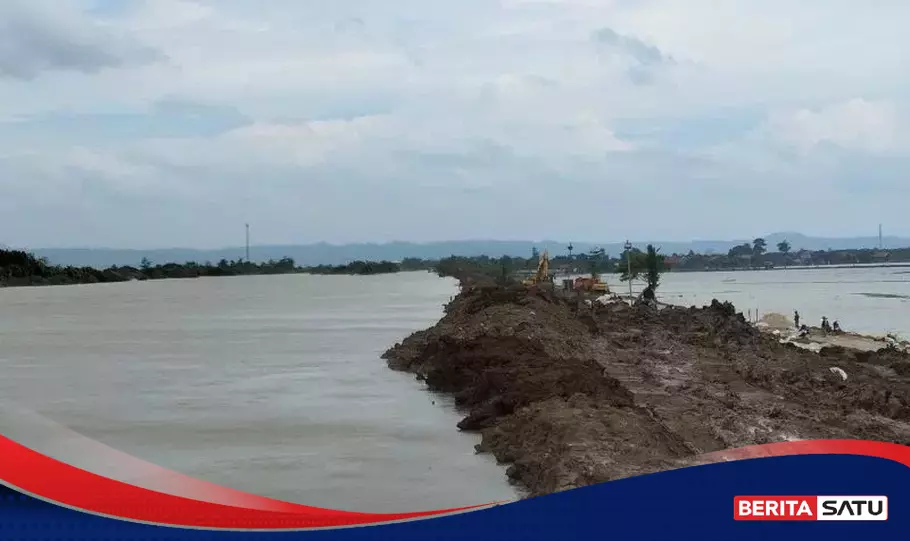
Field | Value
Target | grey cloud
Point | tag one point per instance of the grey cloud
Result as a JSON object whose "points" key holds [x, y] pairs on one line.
{"points": [[165, 119], [863, 175], [39, 38], [477, 157], [640, 76], [350, 25], [509, 117], [433, 187], [646, 57]]}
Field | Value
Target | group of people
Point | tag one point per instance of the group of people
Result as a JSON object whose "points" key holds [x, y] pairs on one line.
{"points": [[826, 326]]}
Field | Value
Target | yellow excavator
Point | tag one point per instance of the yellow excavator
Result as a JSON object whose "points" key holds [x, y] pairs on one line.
{"points": [[543, 271], [591, 283]]}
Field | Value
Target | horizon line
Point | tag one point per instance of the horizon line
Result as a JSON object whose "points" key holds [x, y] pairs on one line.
{"points": [[450, 241]]}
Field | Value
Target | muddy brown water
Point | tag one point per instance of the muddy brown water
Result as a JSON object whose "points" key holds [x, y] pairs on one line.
{"points": [[863, 300], [274, 385], [271, 385]]}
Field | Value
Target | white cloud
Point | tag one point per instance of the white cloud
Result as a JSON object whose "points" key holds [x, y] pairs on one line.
{"points": [[857, 124], [408, 110]]}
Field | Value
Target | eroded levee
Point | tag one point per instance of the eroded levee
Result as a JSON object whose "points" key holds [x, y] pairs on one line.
{"points": [[571, 396]]}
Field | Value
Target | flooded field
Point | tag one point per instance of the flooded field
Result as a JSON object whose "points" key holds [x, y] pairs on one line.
{"points": [[864, 300]]}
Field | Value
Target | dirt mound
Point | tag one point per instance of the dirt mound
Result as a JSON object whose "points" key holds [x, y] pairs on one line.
{"points": [[776, 321], [571, 395], [495, 376], [491, 311]]}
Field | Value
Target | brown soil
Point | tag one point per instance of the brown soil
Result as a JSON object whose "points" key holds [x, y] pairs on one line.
{"points": [[569, 395]]}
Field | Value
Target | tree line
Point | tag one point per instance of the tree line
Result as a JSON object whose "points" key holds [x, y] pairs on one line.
{"points": [[20, 268], [633, 264], [757, 255]]}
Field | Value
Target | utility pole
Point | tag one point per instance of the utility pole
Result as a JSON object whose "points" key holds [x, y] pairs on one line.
{"points": [[247, 243], [629, 263], [880, 243]]}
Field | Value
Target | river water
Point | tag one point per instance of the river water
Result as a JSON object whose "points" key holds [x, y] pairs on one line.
{"points": [[865, 300], [270, 384], [274, 384]]}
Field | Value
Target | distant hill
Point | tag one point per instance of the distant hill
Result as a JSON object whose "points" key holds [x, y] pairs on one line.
{"points": [[329, 254]]}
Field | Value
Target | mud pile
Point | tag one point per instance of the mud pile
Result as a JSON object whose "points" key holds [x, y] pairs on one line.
{"points": [[570, 395]]}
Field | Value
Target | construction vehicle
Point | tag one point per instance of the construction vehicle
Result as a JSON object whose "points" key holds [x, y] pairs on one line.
{"points": [[542, 276], [591, 283]]}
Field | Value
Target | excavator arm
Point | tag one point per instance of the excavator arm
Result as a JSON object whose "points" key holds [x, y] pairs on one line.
{"points": [[543, 270], [543, 267]]}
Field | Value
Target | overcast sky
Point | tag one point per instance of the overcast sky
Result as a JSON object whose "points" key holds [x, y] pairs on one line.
{"points": [[155, 123]]}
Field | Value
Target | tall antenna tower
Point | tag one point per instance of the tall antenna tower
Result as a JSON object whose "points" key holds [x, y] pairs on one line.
{"points": [[247, 243]]}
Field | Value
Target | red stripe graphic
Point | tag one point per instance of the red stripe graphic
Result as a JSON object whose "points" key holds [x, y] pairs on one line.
{"points": [[879, 449], [70, 447], [61, 483], [50, 479]]}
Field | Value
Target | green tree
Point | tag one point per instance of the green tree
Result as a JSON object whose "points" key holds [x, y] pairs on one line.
{"points": [[145, 264], [414, 263], [759, 247], [654, 265], [741, 250], [783, 247], [638, 264]]}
